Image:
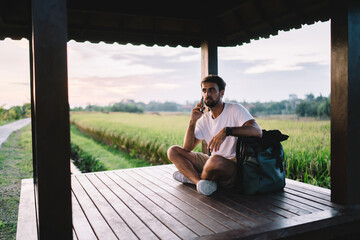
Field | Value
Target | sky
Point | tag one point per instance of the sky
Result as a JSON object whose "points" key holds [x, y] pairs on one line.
{"points": [[293, 62]]}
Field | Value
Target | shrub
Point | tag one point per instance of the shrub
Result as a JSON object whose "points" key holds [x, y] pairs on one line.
{"points": [[84, 161]]}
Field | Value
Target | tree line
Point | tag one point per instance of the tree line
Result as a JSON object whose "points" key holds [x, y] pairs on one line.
{"points": [[14, 113], [132, 107], [123, 106], [311, 106]]}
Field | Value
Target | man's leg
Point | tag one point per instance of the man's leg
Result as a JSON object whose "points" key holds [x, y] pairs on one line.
{"points": [[218, 168], [185, 162]]}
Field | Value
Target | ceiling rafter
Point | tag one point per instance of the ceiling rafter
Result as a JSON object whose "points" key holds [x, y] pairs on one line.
{"points": [[184, 23]]}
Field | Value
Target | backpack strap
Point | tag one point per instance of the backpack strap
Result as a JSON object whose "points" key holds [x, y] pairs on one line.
{"points": [[239, 163]]}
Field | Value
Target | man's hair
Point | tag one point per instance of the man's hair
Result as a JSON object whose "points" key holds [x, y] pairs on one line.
{"points": [[215, 79]]}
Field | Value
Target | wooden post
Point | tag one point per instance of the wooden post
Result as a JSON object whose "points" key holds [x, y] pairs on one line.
{"points": [[51, 112], [345, 102], [33, 120], [209, 65], [209, 58]]}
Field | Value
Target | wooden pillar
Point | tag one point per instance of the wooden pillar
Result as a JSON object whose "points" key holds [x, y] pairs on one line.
{"points": [[33, 120], [209, 65], [345, 102], [51, 113], [209, 58]]}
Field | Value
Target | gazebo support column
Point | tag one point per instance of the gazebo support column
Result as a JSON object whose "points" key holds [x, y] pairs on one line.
{"points": [[345, 102], [209, 65], [209, 58], [33, 120], [51, 116]]}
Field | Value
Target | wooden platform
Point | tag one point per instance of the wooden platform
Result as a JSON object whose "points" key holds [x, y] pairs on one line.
{"points": [[146, 203]]}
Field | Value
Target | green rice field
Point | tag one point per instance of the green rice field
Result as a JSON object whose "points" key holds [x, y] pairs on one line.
{"points": [[148, 136], [110, 158]]}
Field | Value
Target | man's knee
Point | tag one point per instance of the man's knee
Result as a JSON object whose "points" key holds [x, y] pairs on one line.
{"points": [[216, 164], [173, 151], [218, 168]]}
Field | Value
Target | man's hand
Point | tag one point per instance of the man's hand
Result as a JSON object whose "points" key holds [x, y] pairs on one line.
{"points": [[190, 140], [196, 113], [217, 140]]}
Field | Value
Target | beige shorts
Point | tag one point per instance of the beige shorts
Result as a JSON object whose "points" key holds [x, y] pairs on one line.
{"points": [[200, 160]]}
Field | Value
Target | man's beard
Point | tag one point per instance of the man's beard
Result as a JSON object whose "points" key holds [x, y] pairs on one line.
{"points": [[212, 103]]}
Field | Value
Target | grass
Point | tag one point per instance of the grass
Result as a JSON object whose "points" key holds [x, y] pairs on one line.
{"points": [[307, 151], [15, 164], [108, 156], [84, 161], [3, 122], [146, 136]]}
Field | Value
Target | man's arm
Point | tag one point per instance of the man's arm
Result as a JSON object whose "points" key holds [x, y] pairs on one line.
{"points": [[249, 129], [190, 141]]}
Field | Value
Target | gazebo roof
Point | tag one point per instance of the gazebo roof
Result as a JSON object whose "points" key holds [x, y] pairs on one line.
{"points": [[185, 23]]}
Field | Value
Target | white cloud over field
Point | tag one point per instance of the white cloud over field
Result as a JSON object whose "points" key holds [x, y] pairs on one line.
{"points": [[297, 62]]}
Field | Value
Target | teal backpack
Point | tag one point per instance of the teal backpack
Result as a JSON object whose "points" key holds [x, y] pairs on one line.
{"points": [[260, 163]]}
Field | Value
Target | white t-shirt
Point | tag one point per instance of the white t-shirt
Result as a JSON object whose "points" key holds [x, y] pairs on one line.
{"points": [[233, 115]]}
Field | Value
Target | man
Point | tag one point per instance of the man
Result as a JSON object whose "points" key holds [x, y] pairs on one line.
{"points": [[220, 128]]}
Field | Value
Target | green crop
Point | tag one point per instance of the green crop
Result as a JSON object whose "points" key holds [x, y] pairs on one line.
{"points": [[142, 135]]}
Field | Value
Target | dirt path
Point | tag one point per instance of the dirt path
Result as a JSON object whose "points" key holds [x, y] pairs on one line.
{"points": [[7, 129]]}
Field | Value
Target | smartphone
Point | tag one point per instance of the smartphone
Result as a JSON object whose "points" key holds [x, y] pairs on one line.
{"points": [[202, 105]]}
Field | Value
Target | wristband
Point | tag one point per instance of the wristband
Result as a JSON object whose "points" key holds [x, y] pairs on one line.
{"points": [[228, 131]]}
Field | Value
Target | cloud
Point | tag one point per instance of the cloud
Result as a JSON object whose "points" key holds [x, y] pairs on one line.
{"points": [[166, 86], [187, 57], [100, 90], [114, 60], [108, 73], [103, 73], [104, 65], [21, 83], [14, 60], [14, 94], [287, 51]]}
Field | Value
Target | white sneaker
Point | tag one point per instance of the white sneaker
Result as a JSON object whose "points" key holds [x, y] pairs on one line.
{"points": [[178, 176], [206, 187]]}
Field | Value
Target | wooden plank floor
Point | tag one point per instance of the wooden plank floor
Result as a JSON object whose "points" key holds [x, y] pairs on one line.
{"points": [[146, 203]]}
